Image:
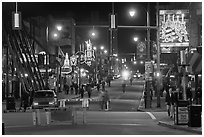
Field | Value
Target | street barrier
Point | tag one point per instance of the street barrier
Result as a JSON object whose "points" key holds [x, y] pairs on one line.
{"points": [[65, 114], [36, 117]]}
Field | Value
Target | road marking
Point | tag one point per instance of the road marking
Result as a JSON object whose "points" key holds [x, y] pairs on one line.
{"points": [[114, 124], [151, 115]]}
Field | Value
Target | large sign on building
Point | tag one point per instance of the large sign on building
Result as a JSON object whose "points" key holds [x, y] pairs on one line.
{"points": [[174, 28]]}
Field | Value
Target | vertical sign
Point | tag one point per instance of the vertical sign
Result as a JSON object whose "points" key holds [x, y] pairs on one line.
{"points": [[66, 68], [89, 53]]}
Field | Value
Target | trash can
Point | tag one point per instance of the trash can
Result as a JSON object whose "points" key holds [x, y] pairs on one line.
{"points": [[181, 112], [10, 103], [194, 115]]}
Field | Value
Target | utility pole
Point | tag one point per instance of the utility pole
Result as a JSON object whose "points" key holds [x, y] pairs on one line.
{"points": [[158, 55], [148, 99], [46, 57]]}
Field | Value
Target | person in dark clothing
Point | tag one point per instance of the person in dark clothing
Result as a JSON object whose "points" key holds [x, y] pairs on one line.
{"points": [[82, 90], [123, 87], [76, 88], [89, 90], [72, 89], [103, 85], [131, 79], [105, 100], [108, 81], [170, 101], [66, 88], [25, 99], [98, 86]]}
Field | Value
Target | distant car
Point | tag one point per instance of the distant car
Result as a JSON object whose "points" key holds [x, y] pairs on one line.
{"points": [[116, 76], [44, 99]]}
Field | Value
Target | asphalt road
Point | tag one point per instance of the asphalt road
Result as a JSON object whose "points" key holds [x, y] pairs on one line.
{"points": [[97, 123], [122, 119], [128, 101]]}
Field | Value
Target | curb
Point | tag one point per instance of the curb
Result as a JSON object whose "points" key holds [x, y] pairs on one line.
{"points": [[179, 127]]}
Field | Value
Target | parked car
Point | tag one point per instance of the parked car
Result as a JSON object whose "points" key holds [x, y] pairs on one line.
{"points": [[44, 99]]}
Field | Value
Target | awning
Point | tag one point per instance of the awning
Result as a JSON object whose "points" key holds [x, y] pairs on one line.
{"points": [[195, 61]]}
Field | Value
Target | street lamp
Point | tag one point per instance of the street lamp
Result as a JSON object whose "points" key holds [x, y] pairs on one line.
{"points": [[135, 39], [94, 48], [59, 27], [93, 34], [148, 51], [102, 47], [132, 13]]}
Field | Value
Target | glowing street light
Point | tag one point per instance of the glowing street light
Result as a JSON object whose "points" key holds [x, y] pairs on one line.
{"points": [[102, 47], [105, 51], [132, 13], [135, 62], [59, 27], [94, 48], [93, 34], [135, 39], [55, 35]]}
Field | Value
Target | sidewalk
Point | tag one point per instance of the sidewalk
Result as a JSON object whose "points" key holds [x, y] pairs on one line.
{"points": [[166, 121]]}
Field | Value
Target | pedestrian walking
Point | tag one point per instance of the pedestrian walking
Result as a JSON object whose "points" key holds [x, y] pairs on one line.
{"points": [[170, 102], [89, 90], [105, 100], [98, 86], [82, 90], [66, 88], [103, 85], [123, 87], [76, 88], [25, 99], [72, 89], [131, 79]]}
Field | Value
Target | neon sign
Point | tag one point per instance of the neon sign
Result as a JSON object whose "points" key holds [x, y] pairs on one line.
{"points": [[174, 28]]}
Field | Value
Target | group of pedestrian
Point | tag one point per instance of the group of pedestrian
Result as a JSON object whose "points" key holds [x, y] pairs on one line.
{"points": [[85, 88], [71, 89]]}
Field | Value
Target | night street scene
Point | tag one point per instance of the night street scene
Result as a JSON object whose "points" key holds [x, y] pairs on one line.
{"points": [[101, 68]]}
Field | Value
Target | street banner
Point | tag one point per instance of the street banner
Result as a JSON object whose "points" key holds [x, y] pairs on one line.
{"points": [[141, 50]]}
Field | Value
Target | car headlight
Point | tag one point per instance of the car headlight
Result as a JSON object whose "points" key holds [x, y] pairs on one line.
{"points": [[51, 103], [35, 103]]}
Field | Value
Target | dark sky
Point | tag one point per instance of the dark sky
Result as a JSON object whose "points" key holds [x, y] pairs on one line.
{"points": [[94, 13]]}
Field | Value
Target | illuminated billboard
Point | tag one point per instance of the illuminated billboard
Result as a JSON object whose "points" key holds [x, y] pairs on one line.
{"points": [[174, 28]]}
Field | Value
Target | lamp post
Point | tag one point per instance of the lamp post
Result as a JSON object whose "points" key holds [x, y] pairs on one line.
{"points": [[135, 40], [46, 57], [132, 13], [58, 82]]}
